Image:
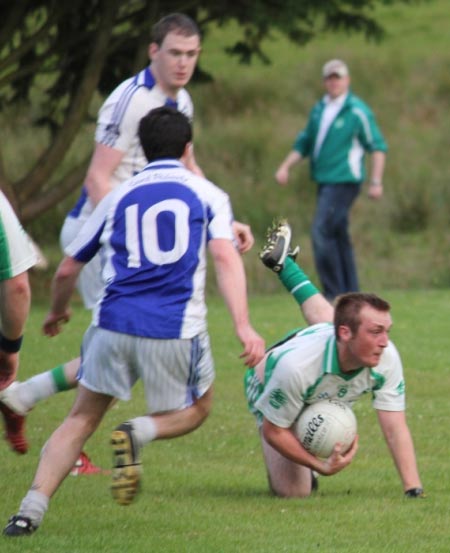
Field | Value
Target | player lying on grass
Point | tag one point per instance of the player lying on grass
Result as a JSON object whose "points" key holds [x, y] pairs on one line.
{"points": [[150, 324], [345, 353]]}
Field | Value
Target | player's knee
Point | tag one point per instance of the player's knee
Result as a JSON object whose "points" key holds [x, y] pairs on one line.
{"points": [[289, 490], [82, 424], [18, 287], [204, 405]]}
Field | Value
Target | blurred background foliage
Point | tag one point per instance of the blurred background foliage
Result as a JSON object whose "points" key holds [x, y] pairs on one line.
{"points": [[246, 115]]}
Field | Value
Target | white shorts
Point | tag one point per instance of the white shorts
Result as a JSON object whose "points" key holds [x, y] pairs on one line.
{"points": [[17, 253], [174, 372], [90, 283]]}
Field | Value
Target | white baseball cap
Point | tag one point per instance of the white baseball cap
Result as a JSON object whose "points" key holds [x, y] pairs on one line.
{"points": [[335, 67]]}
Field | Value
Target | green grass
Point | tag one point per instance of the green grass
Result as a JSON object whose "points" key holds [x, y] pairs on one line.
{"points": [[207, 492]]}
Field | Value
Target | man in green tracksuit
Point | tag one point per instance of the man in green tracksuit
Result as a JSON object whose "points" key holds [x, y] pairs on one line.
{"points": [[340, 129]]}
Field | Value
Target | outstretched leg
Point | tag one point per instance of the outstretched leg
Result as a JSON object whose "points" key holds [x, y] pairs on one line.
{"points": [[278, 256]]}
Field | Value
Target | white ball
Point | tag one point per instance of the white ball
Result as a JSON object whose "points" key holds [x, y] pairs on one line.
{"points": [[323, 424]]}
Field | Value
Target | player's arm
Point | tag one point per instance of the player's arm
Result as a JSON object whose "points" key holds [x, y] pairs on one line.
{"points": [[191, 163], [282, 173], [285, 442], [233, 287], [378, 160], [79, 252], [316, 309], [399, 440], [104, 162], [63, 286]]}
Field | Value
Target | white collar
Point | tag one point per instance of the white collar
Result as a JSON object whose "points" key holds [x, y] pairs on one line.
{"points": [[338, 101]]}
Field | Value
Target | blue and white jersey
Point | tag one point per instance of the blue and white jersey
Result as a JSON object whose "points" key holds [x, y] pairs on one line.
{"points": [[152, 232], [118, 124]]}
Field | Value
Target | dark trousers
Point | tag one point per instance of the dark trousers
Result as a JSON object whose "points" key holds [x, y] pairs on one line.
{"points": [[333, 251]]}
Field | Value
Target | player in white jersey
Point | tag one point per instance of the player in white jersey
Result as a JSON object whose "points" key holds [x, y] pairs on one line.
{"points": [[150, 323], [118, 155], [117, 126], [17, 255], [344, 354]]}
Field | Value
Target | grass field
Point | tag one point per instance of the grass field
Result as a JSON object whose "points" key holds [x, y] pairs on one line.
{"points": [[207, 492]]}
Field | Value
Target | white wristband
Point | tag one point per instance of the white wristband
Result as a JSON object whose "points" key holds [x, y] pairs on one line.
{"points": [[375, 182]]}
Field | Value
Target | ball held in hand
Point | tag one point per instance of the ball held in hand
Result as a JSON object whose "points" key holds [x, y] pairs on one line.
{"points": [[323, 424]]}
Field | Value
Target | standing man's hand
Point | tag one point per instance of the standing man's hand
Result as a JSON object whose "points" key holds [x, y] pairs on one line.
{"points": [[282, 176], [375, 190]]}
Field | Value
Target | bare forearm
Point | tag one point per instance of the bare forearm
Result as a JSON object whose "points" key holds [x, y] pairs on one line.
{"points": [[402, 450], [400, 444], [284, 441], [232, 285], [63, 284], [62, 290], [191, 163], [104, 162], [377, 167], [97, 187]]}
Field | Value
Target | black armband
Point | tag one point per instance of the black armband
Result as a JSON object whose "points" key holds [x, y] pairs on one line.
{"points": [[415, 492], [10, 346]]}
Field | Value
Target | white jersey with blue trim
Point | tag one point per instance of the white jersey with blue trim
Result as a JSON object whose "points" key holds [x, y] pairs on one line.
{"points": [[152, 232], [118, 124]]}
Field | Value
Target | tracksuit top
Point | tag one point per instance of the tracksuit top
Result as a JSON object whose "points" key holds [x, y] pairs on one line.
{"points": [[340, 158]]}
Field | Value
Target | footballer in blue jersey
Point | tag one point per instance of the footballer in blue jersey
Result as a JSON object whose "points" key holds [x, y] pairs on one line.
{"points": [[118, 156], [152, 232]]}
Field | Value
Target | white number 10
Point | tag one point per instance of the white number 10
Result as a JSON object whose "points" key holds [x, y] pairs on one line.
{"points": [[149, 233]]}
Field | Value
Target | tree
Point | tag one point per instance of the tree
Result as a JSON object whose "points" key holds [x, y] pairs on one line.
{"points": [[69, 51]]}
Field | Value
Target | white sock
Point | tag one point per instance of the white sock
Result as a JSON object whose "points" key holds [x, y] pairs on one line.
{"points": [[36, 388], [34, 506], [144, 430]]}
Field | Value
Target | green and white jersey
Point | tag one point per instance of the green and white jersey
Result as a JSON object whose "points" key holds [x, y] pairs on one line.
{"points": [[17, 253], [305, 369]]}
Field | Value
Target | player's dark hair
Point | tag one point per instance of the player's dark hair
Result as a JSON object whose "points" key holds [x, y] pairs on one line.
{"points": [[348, 307], [164, 133], [178, 23]]}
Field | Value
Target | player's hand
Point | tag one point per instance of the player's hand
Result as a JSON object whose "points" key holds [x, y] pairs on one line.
{"points": [[337, 461], [53, 322], [254, 346], [415, 493], [244, 236]]}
